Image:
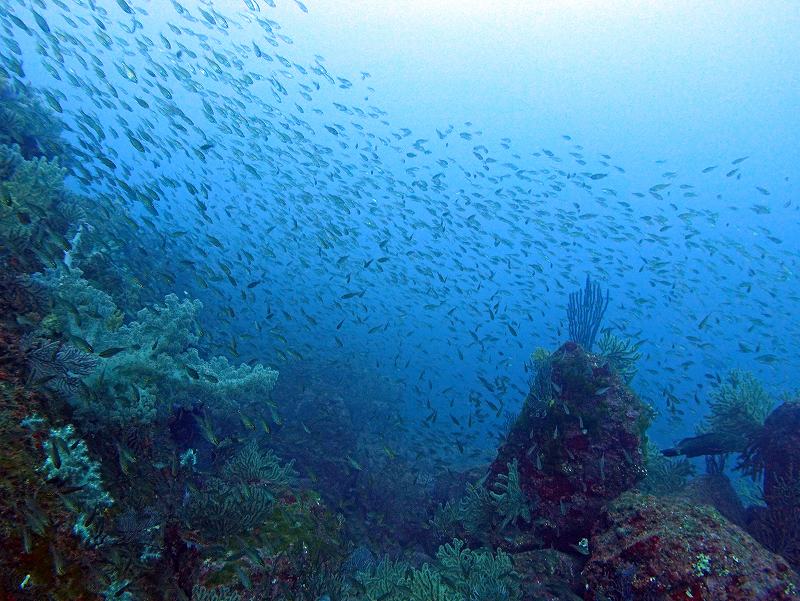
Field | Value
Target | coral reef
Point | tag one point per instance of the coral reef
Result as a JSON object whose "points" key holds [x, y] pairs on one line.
{"points": [[136, 465], [32, 194], [34, 205]]}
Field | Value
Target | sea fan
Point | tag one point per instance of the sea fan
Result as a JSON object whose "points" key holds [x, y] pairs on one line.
{"points": [[585, 313], [253, 467], [58, 365]]}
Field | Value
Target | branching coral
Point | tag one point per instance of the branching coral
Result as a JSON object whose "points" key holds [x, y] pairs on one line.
{"points": [[222, 510], [446, 521], [253, 467], [585, 313], [476, 509], [479, 507], [477, 575], [219, 593], [426, 584], [382, 580], [79, 311]]}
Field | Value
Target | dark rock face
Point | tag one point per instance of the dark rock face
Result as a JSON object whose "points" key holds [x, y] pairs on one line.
{"points": [[775, 449], [578, 443], [664, 548], [775, 452]]}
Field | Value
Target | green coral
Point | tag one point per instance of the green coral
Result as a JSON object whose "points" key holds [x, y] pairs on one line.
{"points": [[223, 510], [459, 573], [739, 405], [219, 593], [426, 584], [446, 520], [621, 355], [32, 195], [25, 122], [304, 527], [242, 498], [510, 500], [254, 466], [477, 509], [477, 575], [150, 363], [384, 580]]}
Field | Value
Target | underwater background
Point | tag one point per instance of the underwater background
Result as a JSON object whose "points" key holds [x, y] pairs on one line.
{"points": [[396, 300]]}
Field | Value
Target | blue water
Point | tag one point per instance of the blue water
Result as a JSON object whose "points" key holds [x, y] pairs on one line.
{"points": [[459, 167]]}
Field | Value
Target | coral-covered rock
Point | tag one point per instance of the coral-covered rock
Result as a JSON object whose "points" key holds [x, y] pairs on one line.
{"points": [[577, 443], [646, 547]]}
